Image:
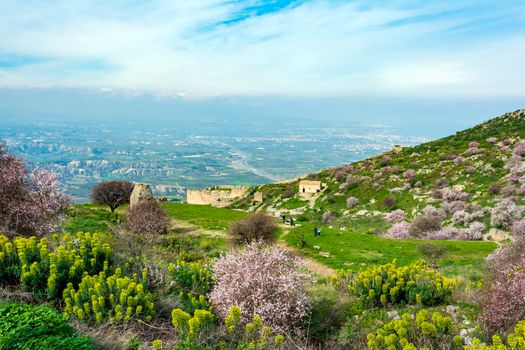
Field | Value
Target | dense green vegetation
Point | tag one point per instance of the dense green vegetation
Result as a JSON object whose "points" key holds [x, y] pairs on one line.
{"points": [[24, 327], [90, 218]]}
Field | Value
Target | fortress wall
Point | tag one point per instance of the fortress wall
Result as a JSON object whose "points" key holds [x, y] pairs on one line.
{"points": [[220, 197]]}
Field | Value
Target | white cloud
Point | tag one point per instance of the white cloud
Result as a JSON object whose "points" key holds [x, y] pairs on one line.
{"points": [[317, 48]]}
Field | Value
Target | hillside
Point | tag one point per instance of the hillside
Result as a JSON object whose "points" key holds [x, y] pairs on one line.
{"points": [[476, 163]]}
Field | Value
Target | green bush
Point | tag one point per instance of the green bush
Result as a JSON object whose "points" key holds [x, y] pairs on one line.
{"points": [[431, 251], [201, 331], [37, 328], [420, 332], [45, 267], [390, 284], [192, 282], [118, 298]]}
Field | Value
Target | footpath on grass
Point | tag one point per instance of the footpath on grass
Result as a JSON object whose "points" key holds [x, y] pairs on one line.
{"points": [[308, 263]]}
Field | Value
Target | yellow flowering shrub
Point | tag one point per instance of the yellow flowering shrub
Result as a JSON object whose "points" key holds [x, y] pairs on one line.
{"points": [[116, 298], [45, 267], [515, 341], [390, 284], [192, 281], [193, 331], [422, 331]]}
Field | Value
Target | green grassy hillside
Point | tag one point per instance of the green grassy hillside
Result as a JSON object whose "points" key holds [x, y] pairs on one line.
{"points": [[380, 185]]}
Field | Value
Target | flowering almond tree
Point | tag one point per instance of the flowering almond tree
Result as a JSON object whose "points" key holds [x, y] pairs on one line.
{"points": [[30, 201], [262, 281]]}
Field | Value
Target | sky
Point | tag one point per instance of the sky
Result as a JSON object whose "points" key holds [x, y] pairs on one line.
{"points": [[389, 60]]}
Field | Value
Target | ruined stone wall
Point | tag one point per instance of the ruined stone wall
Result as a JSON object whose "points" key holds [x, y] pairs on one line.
{"points": [[218, 197]]}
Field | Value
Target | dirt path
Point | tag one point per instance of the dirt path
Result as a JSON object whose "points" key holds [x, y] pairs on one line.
{"points": [[307, 262]]}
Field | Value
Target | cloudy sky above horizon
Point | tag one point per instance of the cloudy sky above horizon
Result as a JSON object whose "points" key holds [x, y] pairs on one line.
{"points": [[197, 49]]}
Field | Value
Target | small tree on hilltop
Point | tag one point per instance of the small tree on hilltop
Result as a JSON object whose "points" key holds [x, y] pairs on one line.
{"points": [[112, 193], [256, 227], [30, 201]]}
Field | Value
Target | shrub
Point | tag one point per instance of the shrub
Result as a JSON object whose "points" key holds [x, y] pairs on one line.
{"points": [[420, 332], [461, 217], [423, 224], [410, 174], [386, 160], [147, 218], [256, 227], [519, 149], [112, 193], [328, 312], [452, 195], [339, 175], [494, 188], [452, 207], [518, 231], [38, 268], [262, 281], [327, 217], [395, 216], [504, 214], [399, 230], [390, 284], [441, 183], [389, 202], [351, 202], [504, 304], [118, 298], [459, 160], [515, 341], [431, 251], [38, 328], [474, 231], [30, 201], [201, 332], [442, 234], [192, 282], [288, 192]]}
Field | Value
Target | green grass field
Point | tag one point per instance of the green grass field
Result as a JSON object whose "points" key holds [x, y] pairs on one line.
{"points": [[91, 218], [204, 216], [350, 250]]}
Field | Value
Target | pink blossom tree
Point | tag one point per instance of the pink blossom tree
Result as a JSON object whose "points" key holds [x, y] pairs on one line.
{"points": [[30, 201], [351, 202], [395, 216], [264, 281], [410, 174], [399, 230]]}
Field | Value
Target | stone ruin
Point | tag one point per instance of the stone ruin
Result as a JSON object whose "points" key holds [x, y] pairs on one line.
{"points": [[141, 192], [219, 196]]}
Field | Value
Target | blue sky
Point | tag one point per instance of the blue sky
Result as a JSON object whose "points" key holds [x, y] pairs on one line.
{"points": [[446, 51]]}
